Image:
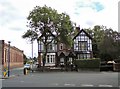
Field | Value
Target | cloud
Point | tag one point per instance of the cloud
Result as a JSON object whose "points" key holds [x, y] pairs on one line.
{"points": [[97, 6], [85, 13], [97, 12], [7, 12]]}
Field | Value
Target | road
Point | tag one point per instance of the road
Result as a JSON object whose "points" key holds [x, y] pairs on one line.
{"points": [[64, 79]]}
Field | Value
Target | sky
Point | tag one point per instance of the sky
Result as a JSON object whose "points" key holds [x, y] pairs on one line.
{"points": [[85, 13]]}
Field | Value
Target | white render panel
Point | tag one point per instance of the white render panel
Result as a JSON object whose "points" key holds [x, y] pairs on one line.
{"points": [[50, 53], [49, 64], [83, 38], [90, 48]]}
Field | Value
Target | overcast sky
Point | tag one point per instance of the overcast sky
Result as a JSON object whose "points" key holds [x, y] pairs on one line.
{"points": [[86, 13]]}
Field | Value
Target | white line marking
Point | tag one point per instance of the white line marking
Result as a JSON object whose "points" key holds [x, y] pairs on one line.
{"points": [[2, 79], [32, 75], [105, 86], [22, 81], [87, 85], [56, 84], [69, 84]]}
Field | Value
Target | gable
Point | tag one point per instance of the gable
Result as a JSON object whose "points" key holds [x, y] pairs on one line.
{"points": [[83, 33]]}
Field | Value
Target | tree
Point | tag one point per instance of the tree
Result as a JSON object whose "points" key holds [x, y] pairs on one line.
{"points": [[105, 42], [25, 59], [43, 22], [108, 46], [97, 33], [107, 49]]}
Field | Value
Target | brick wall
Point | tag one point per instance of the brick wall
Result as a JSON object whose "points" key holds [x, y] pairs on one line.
{"points": [[16, 56]]}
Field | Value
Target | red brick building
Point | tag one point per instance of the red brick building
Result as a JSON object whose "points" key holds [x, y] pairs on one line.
{"points": [[16, 55]]}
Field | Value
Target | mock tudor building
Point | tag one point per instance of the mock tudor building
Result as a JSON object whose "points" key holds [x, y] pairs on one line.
{"points": [[83, 45], [16, 55], [51, 52], [61, 54]]}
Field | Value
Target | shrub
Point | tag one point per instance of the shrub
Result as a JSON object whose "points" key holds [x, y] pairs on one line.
{"points": [[88, 63]]}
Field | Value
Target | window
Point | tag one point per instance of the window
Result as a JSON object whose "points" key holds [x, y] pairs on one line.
{"points": [[50, 46], [81, 56], [85, 56], [47, 58], [82, 45], [88, 55], [62, 60], [51, 58], [61, 46], [78, 56], [70, 59]]}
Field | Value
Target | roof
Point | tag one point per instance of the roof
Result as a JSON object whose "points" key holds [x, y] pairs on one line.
{"points": [[51, 34], [70, 54], [84, 32]]}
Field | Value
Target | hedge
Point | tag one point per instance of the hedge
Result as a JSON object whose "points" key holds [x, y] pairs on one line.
{"points": [[88, 63]]}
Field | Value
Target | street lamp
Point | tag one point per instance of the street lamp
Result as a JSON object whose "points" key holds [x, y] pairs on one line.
{"points": [[32, 55], [9, 58]]}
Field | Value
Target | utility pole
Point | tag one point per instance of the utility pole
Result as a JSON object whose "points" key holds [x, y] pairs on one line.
{"points": [[9, 58]]}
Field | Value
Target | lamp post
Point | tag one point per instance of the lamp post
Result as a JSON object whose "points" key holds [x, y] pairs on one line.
{"points": [[9, 58], [32, 55]]}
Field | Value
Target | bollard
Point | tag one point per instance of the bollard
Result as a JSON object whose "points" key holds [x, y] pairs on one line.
{"points": [[25, 71], [5, 72]]}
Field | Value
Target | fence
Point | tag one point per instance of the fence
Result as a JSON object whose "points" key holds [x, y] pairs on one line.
{"points": [[116, 67]]}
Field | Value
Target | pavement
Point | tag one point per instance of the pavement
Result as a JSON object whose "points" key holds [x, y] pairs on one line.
{"points": [[13, 73]]}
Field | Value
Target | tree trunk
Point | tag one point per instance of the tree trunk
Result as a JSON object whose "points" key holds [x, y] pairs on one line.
{"points": [[44, 57]]}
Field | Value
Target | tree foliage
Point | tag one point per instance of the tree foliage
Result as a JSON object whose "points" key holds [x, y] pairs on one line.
{"points": [[106, 43], [44, 22]]}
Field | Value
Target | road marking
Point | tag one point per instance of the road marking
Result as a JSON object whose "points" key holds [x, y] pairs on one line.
{"points": [[105, 86], [55, 84], [22, 81], [2, 79], [69, 84], [32, 75], [87, 85]]}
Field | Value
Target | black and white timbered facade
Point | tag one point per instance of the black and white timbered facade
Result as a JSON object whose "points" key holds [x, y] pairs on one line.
{"points": [[60, 53], [83, 45], [50, 59]]}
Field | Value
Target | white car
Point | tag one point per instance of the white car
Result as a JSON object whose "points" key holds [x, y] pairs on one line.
{"points": [[27, 66]]}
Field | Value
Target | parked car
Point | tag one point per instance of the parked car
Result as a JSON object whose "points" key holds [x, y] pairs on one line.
{"points": [[27, 66], [106, 66]]}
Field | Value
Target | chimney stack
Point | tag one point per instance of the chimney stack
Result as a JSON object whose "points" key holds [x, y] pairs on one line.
{"points": [[78, 29]]}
